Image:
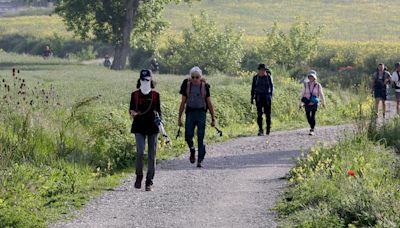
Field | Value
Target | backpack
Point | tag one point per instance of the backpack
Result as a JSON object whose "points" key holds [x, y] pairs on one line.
{"points": [[398, 81], [202, 90]]}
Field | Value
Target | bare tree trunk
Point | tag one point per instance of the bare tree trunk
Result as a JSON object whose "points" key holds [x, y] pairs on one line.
{"points": [[122, 49]]}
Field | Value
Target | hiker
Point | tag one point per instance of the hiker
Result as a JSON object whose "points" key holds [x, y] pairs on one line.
{"points": [[144, 106], [380, 80], [154, 65], [262, 89], [107, 62], [396, 84], [195, 101], [311, 97], [47, 52]]}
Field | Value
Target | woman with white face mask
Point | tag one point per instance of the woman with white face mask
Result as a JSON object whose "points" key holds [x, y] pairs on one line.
{"points": [[144, 104]]}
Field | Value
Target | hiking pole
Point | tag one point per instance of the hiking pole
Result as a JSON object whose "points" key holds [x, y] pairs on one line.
{"points": [[219, 132], [178, 134], [160, 125]]}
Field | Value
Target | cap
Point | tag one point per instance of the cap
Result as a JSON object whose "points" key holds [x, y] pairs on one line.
{"points": [[145, 73], [262, 66]]}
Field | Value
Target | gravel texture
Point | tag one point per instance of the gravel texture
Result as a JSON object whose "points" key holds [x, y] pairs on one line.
{"points": [[237, 187]]}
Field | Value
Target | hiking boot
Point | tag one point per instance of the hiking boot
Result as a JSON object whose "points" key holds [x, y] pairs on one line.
{"points": [[311, 132], [138, 182], [199, 165], [267, 131], [260, 133], [192, 157], [149, 186]]}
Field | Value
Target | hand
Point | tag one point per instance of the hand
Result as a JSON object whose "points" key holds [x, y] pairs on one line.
{"points": [[213, 122], [157, 121], [133, 113], [180, 124]]}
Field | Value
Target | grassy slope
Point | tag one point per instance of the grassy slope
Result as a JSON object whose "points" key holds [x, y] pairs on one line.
{"points": [[344, 20]]}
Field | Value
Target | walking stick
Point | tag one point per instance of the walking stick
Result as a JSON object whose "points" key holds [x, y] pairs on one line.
{"points": [[178, 134]]}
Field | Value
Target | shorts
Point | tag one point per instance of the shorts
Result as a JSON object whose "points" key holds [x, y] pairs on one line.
{"points": [[398, 96], [380, 94]]}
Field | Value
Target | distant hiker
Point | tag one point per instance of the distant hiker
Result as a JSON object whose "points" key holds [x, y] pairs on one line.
{"points": [[312, 96], [396, 81], [380, 80], [262, 89], [47, 52], [154, 65], [107, 62], [195, 101], [144, 104]]}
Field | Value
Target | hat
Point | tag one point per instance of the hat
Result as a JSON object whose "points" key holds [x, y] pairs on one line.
{"points": [[195, 69], [145, 73], [262, 66], [312, 73]]}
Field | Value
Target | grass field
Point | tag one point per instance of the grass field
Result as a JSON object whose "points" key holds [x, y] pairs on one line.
{"points": [[343, 19]]}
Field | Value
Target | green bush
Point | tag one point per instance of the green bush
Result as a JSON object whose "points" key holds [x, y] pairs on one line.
{"points": [[205, 46]]}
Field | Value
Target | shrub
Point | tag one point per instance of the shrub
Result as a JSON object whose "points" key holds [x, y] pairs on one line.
{"points": [[205, 46]]}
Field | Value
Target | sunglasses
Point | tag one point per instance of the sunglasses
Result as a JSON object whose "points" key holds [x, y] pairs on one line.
{"points": [[145, 79], [195, 77]]}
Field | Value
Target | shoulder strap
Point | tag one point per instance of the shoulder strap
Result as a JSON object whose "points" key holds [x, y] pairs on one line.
{"points": [[203, 89], [398, 76], [188, 87]]}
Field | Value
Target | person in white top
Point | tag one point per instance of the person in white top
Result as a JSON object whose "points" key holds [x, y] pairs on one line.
{"points": [[396, 81], [311, 97]]}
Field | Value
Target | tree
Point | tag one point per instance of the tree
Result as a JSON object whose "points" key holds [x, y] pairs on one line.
{"points": [[207, 46], [115, 22], [294, 48]]}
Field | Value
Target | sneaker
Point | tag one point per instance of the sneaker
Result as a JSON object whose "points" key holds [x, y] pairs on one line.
{"points": [[260, 133], [199, 165], [267, 131], [192, 157], [149, 186], [311, 132], [138, 182]]}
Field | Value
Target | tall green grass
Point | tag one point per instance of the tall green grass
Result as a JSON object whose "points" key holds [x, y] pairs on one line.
{"points": [[352, 184]]}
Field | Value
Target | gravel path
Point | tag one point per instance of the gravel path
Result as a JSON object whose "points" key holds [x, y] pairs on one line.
{"points": [[238, 185]]}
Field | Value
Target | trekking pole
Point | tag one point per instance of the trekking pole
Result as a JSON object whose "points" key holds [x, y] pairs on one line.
{"points": [[160, 125], [178, 134], [219, 132]]}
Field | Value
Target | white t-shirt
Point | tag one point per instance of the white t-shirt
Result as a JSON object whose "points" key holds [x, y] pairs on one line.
{"points": [[395, 79]]}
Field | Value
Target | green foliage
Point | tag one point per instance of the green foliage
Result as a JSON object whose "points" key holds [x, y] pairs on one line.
{"points": [[323, 193], [205, 46], [294, 48]]}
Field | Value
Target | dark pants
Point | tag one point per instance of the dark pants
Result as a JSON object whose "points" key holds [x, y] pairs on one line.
{"points": [[310, 114], [151, 160], [263, 106], [196, 118]]}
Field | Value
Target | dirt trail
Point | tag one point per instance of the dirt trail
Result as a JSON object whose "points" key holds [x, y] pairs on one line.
{"points": [[238, 185]]}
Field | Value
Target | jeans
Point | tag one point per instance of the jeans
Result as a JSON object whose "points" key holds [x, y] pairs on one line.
{"points": [[151, 161], [196, 118], [263, 106]]}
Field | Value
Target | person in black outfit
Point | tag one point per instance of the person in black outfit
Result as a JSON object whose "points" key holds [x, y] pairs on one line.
{"points": [[144, 106], [262, 89], [380, 80]]}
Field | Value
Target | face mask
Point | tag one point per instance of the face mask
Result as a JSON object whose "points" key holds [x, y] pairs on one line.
{"points": [[145, 86]]}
